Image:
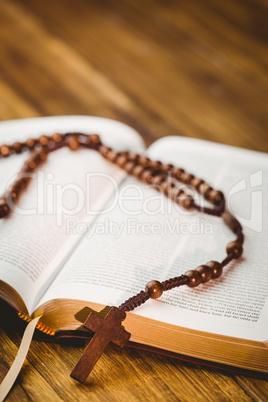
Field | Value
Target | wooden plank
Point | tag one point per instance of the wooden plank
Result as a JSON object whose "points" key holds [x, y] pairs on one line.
{"points": [[220, 72]]}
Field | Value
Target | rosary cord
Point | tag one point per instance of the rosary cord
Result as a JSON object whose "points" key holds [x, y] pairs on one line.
{"points": [[162, 177], [227, 259], [137, 300], [217, 211]]}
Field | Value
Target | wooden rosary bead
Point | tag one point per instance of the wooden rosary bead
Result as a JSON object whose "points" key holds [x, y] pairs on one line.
{"points": [[13, 195], [124, 153], [156, 165], [30, 143], [195, 182], [4, 208], [104, 150], [43, 140], [137, 171], [31, 165], [194, 278], [167, 167], [121, 161], [216, 269], [234, 247], [205, 271], [177, 172], [73, 143], [146, 176], [166, 187], [158, 179], [36, 158], [24, 180], [175, 193], [204, 189], [112, 156], [17, 146], [129, 166], [231, 222], [43, 156], [187, 177], [57, 137], [18, 186], [85, 139], [215, 196], [185, 201], [5, 150], [95, 138], [144, 161], [3, 202], [132, 156], [14, 187], [154, 288]]}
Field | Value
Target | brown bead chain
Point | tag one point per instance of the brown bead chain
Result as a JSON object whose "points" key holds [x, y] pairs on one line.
{"points": [[163, 177]]}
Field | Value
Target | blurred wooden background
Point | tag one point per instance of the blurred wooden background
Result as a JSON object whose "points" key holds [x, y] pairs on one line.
{"points": [[165, 67]]}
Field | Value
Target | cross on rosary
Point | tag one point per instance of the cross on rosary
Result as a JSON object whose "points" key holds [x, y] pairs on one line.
{"points": [[106, 330]]}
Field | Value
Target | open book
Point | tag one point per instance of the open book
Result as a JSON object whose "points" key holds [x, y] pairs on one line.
{"points": [[86, 235]]}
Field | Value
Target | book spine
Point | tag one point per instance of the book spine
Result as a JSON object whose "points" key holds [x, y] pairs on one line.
{"points": [[41, 327]]}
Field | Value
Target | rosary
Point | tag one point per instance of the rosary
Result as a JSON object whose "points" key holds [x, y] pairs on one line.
{"points": [[152, 173]]}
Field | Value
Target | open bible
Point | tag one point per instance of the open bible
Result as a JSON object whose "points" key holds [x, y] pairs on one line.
{"points": [[85, 236]]}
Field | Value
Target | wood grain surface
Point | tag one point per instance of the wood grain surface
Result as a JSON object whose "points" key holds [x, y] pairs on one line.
{"points": [[165, 67]]}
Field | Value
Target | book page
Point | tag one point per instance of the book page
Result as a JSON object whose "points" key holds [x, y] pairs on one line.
{"points": [[71, 187], [38, 235], [147, 237]]}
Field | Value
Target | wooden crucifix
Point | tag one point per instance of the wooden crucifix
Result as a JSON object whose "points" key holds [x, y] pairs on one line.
{"points": [[106, 330]]}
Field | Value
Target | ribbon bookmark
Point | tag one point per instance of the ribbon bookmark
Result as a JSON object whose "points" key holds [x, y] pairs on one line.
{"points": [[14, 370]]}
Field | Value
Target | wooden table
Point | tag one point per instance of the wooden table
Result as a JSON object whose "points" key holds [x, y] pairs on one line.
{"points": [[191, 68]]}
